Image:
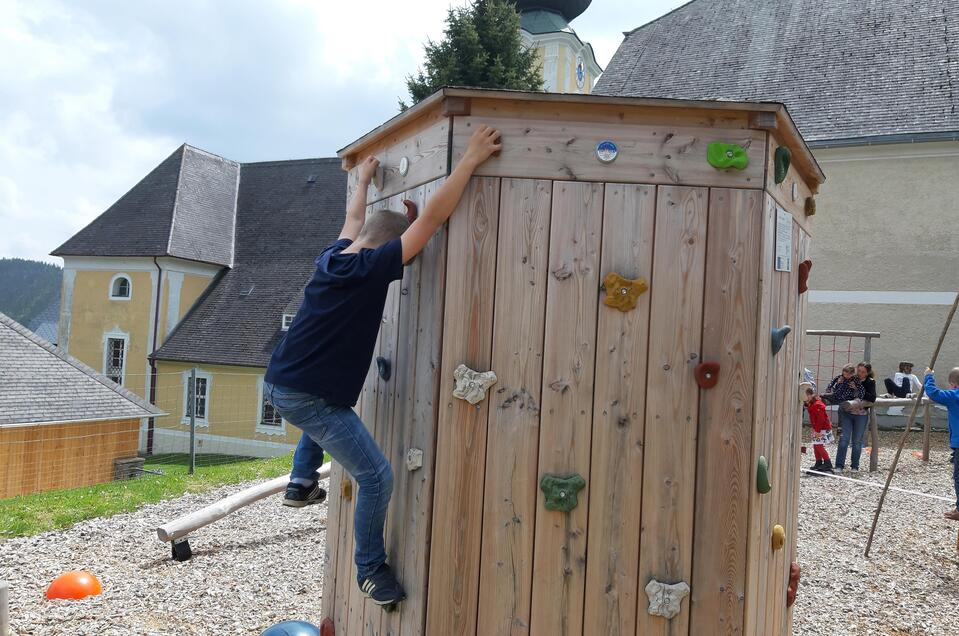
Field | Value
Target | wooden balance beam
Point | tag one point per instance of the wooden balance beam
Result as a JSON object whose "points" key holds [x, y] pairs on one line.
{"points": [[176, 532]]}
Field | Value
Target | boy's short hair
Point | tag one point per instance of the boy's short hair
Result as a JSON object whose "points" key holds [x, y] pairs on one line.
{"points": [[383, 226], [954, 376]]}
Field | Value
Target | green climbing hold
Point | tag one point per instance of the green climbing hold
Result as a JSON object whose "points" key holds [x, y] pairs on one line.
{"points": [[781, 161], [722, 156], [762, 476], [561, 491]]}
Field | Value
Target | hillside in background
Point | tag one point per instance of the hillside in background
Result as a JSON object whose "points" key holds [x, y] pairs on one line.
{"points": [[27, 288]]}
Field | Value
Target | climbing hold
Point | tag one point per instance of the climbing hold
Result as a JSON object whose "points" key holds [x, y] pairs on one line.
{"points": [[74, 586], [411, 211], [781, 160], [795, 572], [810, 206], [623, 293], [383, 368], [327, 628], [561, 491], [404, 166], [722, 156], [762, 476], [471, 385], [779, 337], [606, 151], [378, 177], [707, 374], [804, 268], [292, 628], [666, 599], [795, 191], [346, 489], [414, 459], [778, 538]]}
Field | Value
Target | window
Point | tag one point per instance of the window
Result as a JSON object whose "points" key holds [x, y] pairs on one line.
{"points": [[268, 421], [196, 398], [116, 350], [120, 287], [287, 321]]}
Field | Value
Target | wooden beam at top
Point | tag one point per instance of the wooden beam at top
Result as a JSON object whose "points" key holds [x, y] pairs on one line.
{"points": [[455, 106], [762, 120]]}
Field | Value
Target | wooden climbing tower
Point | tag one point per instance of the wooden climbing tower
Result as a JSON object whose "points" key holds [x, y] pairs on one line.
{"points": [[626, 268]]}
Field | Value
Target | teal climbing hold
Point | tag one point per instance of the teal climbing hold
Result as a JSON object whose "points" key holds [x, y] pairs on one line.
{"points": [[779, 337], [762, 476], [722, 156], [561, 491], [781, 161]]}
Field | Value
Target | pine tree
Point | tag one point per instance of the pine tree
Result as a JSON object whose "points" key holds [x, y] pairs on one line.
{"points": [[481, 48]]}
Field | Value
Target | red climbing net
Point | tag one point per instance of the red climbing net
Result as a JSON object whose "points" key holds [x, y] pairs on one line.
{"points": [[827, 355]]}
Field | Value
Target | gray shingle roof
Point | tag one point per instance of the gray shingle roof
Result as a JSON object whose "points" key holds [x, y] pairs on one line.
{"points": [[185, 207], [846, 69], [40, 383], [47, 322], [283, 221]]}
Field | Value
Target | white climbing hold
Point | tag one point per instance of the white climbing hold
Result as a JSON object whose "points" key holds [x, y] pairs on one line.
{"points": [[666, 599], [414, 459], [471, 385]]}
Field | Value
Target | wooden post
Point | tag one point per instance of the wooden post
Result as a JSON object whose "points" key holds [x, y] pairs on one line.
{"points": [[867, 349], [4, 608], [926, 430], [874, 438], [192, 404]]}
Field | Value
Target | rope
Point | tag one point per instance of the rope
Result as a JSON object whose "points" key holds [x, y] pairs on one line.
{"points": [[875, 485]]}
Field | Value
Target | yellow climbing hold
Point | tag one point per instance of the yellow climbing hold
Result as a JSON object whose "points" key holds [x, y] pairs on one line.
{"points": [[778, 538], [623, 293]]}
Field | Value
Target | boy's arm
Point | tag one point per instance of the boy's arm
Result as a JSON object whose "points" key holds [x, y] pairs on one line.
{"points": [[356, 209], [935, 393], [483, 143]]}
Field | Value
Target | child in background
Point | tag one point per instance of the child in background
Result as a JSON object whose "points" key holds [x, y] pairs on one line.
{"points": [[822, 430], [904, 382], [950, 399]]}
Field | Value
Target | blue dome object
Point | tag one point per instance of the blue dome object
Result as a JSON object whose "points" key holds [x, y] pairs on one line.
{"points": [[569, 9], [292, 628]]}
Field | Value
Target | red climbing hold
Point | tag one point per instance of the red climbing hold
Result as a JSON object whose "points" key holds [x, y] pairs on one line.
{"points": [[327, 628], [794, 573], [411, 212], [804, 268], [707, 374]]}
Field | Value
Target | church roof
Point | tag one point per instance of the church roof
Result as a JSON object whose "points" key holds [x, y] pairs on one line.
{"points": [[569, 9], [185, 207], [846, 69]]}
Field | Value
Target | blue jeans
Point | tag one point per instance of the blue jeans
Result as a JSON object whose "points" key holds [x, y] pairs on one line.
{"points": [[338, 430], [852, 426]]}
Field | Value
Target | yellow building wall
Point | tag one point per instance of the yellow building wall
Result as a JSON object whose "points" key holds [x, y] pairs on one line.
{"points": [[93, 314], [191, 288], [233, 411]]}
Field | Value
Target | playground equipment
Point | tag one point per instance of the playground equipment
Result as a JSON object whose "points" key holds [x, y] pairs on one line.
{"points": [[292, 628], [585, 187], [4, 608], [74, 586], [176, 532]]}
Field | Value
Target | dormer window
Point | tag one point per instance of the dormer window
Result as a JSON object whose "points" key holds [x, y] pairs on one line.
{"points": [[120, 287], [287, 321]]}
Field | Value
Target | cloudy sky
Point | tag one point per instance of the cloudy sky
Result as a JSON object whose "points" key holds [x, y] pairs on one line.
{"points": [[94, 94]]}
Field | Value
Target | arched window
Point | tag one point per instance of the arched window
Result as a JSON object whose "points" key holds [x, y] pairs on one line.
{"points": [[120, 287]]}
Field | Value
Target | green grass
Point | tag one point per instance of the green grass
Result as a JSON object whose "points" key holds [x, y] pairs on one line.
{"points": [[31, 514]]}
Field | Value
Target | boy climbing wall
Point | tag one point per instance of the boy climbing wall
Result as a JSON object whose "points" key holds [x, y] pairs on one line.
{"points": [[950, 399], [317, 371]]}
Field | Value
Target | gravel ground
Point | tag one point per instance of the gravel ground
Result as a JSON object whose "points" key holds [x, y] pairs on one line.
{"points": [[262, 564]]}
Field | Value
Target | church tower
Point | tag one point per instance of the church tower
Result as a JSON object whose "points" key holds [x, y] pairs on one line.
{"points": [[569, 65]]}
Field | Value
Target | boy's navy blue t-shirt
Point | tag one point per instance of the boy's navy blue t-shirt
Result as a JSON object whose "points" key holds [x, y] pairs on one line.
{"points": [[329, 346]]}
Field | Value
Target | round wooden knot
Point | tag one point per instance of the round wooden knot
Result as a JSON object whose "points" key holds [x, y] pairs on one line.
{"points": [[665, 367]]}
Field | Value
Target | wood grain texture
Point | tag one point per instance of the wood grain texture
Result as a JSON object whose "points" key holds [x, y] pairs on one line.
{"points": [[509, 502], [559, 561], [619, 405], [669, 472], [726, 412], [546, 149], [331, 544], [461, 433]]}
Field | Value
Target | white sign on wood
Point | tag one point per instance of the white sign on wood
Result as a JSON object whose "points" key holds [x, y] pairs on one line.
{"points": [[784, 240]]}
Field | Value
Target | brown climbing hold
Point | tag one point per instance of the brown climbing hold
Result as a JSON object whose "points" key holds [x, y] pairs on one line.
{"points": [[411, 212], [804, 268], [795, 572], [707, 374], [810, 206], [327, 628], [346, 489], [623, 293]]}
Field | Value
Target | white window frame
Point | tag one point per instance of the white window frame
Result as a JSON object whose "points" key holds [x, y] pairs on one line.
{"points": [[265, 429], [286, 321], [129, 285], [116, 335], [200, 374]]}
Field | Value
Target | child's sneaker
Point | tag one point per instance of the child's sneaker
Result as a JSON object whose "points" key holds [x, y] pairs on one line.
{"points": [[298, 495], [382, 587], [952, 514]]}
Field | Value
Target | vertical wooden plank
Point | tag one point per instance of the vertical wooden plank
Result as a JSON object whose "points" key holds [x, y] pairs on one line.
{"points": [[559, 561], [461, 432], [726, 412], [331, 545], [672, 410], [422, 433], [509, 503], [619, 408]]}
